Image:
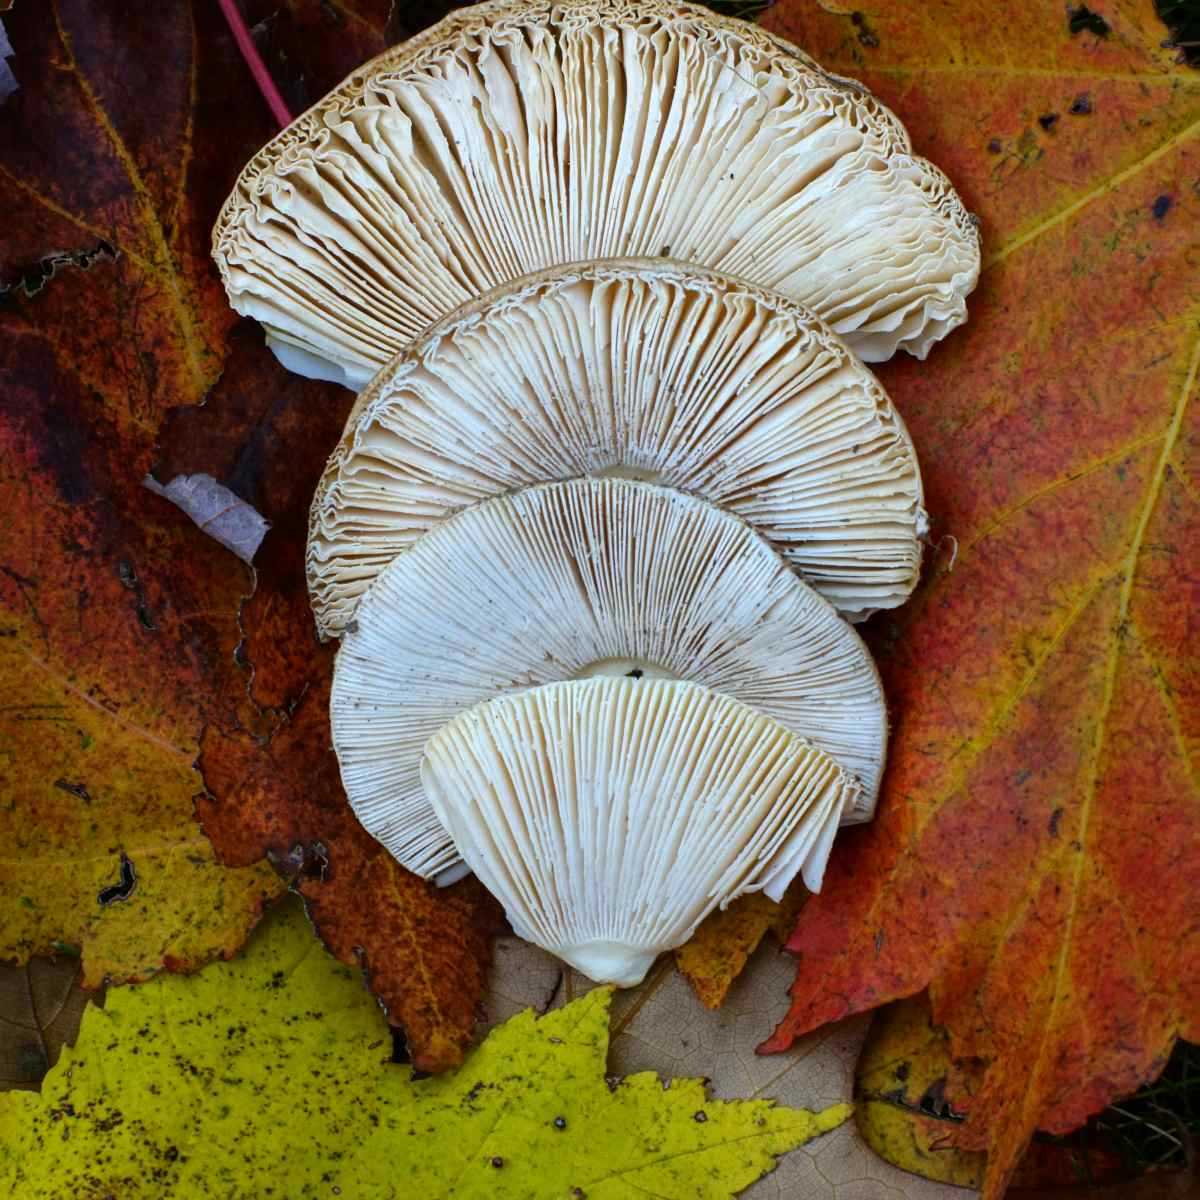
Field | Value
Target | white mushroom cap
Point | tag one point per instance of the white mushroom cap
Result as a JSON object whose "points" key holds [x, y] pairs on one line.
{"points": [[570, 580], [518, 135], [611, 816], [652, 370]]}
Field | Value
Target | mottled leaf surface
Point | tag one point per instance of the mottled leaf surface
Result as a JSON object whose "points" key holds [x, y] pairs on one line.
{"points": [[271, 783], [270, 1075], [662, 1025], [905, 1114], [1037, 854], [727, 938], [118, 616], [425, 950], [132, 641]]}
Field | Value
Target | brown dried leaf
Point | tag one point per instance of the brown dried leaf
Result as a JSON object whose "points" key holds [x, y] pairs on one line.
{"points": [[41, 1005], [1036, 856]]}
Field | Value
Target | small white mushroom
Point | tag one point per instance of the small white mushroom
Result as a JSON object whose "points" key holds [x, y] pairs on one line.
{"points": [[522, 134], [647, 369], [610, 816], [576, 579]]}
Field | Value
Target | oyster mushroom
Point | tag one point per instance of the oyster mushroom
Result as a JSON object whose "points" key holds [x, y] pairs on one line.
{"points": [[649, 369], [576, 579], [516, 136], [610, 816]]}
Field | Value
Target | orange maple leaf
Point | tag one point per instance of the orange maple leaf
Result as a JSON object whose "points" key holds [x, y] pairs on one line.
{"points": [[1037, 855]]}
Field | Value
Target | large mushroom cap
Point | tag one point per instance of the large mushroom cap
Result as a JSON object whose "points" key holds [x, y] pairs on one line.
{"points": [[610, 816], [658, 371], [518, 135], [575, 579]]}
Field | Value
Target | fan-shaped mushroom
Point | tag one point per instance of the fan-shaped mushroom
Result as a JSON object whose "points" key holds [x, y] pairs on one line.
{"points": [[575, 579], [610, 816], [653, 370], [517, 135]]}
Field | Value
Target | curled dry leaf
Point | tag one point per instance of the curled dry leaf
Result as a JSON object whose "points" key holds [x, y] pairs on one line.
{"points": [[221, 513], [1037, 856]]}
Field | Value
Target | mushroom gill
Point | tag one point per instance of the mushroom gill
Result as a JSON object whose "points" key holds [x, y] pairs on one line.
{"points": [[516, 136], [610, 816], [642, 369], [557, 582]]}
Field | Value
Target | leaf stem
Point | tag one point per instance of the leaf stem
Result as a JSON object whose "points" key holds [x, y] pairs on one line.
{"points": [[258, 69]]}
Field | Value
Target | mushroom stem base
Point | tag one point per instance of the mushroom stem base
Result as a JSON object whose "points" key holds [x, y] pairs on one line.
{"points": [[609, 962]]}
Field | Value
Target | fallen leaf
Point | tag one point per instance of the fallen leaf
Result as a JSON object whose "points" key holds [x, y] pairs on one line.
{"points": [[103, 338], [907, 1095], [1037, 852], [272, 783], [219, 512], [41, 1005], [662, 1026], [265, 434], [721, 947], [119, 617], [221, 1084], [425, 950], [909, 1098]]}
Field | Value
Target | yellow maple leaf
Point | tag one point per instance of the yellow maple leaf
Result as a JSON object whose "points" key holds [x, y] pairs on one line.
{"points": [[271, 1075]]}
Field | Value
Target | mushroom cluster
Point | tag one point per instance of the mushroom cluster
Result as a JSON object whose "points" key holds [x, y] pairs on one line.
{"points": [[617, 483]]}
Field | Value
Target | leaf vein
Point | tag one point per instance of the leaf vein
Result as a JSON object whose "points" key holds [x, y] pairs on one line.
{"points": [[123, 722], [168, 272], [1031, 1096], [1102, 189], [1055, 485]]}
